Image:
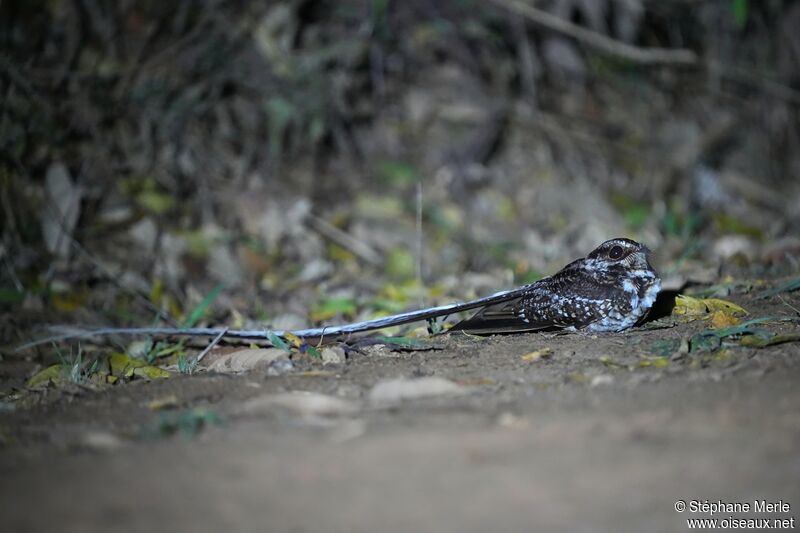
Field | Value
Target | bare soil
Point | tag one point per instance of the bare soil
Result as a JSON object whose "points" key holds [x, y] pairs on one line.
{"points": [[593, 437]]}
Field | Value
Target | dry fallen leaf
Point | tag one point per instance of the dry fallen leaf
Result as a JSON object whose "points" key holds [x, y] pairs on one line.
{"points": [[165, 402], [689, 306], [301, 403], [396, 390], [246, 359], [332, 355], [544, 353], [721, 319]]}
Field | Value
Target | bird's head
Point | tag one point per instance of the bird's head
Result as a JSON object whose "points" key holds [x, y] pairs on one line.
{"points": [[622, 251]]}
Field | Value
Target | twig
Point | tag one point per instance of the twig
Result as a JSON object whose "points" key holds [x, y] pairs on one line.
{"points": [[361, 249], [419, 242], [211, 345], [647, 56], [741, 75], [12, 274], [161, 314], [787, 304]]}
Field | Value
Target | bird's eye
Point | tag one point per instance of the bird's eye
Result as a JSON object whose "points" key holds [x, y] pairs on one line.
{"points": [[616, 252]]}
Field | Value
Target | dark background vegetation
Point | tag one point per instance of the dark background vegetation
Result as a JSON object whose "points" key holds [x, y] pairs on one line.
{"points": [[333, 160]]}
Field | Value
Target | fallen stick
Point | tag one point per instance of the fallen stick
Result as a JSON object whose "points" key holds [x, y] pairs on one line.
{"points": [[650, 56]]}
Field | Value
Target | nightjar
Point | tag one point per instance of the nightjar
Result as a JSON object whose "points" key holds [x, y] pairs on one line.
{"points": [[611, 289]]}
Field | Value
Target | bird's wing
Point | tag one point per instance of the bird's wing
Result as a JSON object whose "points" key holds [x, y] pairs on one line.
{"points": [[534, 311], [569, 298], [501, 318]]}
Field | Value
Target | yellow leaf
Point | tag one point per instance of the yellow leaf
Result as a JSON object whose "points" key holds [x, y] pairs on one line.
{"points": [[721, 319], [296, 341], [166, 402], [400, 263], [716, 304], [340, 255], [51, 374], [538, 354], [69, 301], [607, 361], [657, 363], [316, 374], [721, 355], [156, 292], [687, 305], [124, 366], [151, 372]]}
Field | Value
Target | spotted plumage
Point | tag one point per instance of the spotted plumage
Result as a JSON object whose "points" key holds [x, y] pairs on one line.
{"points": [[611, 289]]}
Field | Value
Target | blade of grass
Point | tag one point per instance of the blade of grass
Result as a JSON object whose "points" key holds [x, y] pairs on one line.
{"points": [[789, 286], [278, 342], [198, 312]]}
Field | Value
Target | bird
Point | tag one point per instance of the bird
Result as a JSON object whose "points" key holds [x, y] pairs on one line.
{"points": [[611, 289]]}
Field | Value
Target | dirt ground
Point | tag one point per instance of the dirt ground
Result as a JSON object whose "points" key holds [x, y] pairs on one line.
{"points": [[592, 436]]}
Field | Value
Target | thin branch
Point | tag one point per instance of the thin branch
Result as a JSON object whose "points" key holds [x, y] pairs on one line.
{"points": [[419, 243], [211, 345], [345, 240], [647, 56], [744, 76]]}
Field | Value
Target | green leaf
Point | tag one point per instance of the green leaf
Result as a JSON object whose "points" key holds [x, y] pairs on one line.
{"points": [[11, 296], [123, 366], [740, 10], [704, 343], [331, 307], [165, 349], [155, 201], [730, 224], [397, 173], [712, 338], [666, 347], [311, 350], [151, 372], [197, 312], [380, 303], [51, 374], [761, 341], [278, 342], [789, 286], [400, 264]]}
